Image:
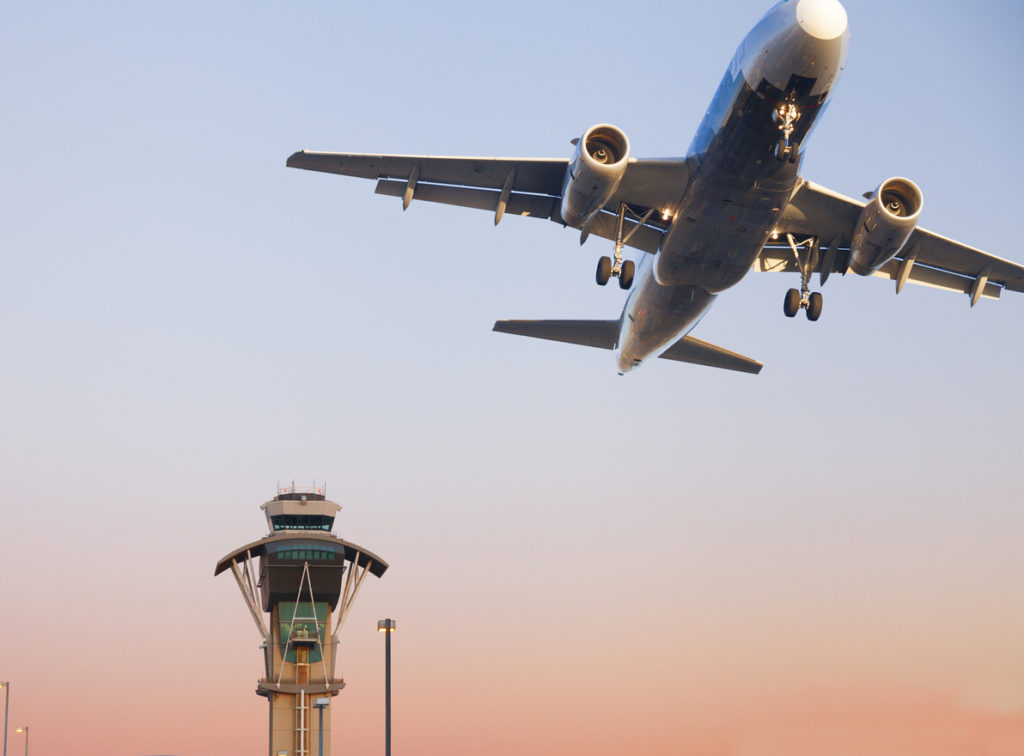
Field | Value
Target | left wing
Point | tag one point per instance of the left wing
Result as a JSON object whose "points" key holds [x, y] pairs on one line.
{"points": [[520, 186], [927, 258]]}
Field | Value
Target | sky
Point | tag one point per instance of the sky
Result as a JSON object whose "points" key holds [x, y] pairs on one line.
{"points": [[822, 559]]}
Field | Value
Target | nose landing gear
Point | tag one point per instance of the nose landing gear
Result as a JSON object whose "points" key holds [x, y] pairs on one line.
{"points": [[786, 116], [804, 298]]}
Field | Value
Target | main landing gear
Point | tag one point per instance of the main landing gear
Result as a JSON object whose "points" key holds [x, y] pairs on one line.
{"points": [[804, 298], [624, 270]]}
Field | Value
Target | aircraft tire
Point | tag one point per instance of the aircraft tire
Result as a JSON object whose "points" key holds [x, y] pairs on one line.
{"points": [[791, 304], [604, 270], [626, 276], [814, 306]]}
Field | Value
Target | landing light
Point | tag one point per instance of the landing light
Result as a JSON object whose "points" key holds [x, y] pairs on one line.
{"points": [[665, 215]]}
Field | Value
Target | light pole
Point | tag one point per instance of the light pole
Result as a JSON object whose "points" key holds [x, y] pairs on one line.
{"points": [[24, 730], [387, 626], [6, 685], [321, 704]]}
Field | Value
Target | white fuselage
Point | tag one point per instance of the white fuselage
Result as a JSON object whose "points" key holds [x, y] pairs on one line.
{"points": [[739, 187]]}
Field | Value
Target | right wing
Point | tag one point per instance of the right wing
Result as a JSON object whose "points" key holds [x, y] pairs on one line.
{"points": [[533, 176], [520, 186]]}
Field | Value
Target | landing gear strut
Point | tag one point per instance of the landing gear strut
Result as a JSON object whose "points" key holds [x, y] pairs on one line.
{"points": [[624, 270], [804, 298], [786, 116]]}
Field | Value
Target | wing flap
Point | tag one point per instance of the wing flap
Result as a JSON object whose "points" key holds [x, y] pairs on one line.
{"points": [[479, 199], [639, 236], [937, 279], [697, 352]]}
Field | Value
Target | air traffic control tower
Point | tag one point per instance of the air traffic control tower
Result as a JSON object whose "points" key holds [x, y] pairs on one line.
{"points": [[307, 580]]}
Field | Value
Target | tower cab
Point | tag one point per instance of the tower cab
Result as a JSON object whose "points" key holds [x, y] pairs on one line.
{"points": [[294, 509]]}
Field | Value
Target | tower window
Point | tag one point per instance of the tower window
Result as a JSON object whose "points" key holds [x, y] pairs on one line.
{"points": [[302, 522]]}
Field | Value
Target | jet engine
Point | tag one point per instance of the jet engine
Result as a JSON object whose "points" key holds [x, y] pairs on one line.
{"points": [[885, 224], [595, 170]]}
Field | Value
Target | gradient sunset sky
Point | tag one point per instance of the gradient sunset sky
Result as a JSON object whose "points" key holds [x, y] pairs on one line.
{"points": [[827, 558]]}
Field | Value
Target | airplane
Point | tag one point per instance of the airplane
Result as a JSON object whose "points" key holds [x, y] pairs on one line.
{"points": [[735, 203]]}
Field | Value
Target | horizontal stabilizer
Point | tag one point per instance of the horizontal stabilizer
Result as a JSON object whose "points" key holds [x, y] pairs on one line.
{"points": [[594, 333], [689, 349], [604, 333]]}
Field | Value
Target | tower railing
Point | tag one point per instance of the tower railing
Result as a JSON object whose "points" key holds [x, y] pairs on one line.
{"points": [[294, 489]]}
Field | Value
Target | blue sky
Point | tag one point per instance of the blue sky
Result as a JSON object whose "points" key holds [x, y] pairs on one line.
{"points": [[186, 322]]}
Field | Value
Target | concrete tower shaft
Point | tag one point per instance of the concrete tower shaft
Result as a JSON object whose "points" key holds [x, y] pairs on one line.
{"points": [[306, 579]]}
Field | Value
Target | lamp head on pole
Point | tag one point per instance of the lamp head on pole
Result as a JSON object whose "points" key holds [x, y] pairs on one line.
{"points": [[386, 626], [21, 729]]}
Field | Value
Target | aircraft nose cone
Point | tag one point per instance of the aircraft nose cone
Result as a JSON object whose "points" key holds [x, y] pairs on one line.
{"points": [[822, 19]]}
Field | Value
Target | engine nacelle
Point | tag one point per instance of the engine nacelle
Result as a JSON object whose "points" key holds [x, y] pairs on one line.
{"points": [[885, 224], [595, 170]]}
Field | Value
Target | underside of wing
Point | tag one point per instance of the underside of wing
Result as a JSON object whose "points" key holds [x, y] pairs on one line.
{"points": [[926, 258], [529, 187], [653, 184]]}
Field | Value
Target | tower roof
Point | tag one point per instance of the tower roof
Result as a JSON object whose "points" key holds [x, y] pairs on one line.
{"points": [[281, 540]]}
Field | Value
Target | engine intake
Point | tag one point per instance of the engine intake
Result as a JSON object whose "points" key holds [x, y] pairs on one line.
{"points": [[595, 170], [885, 224]]}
